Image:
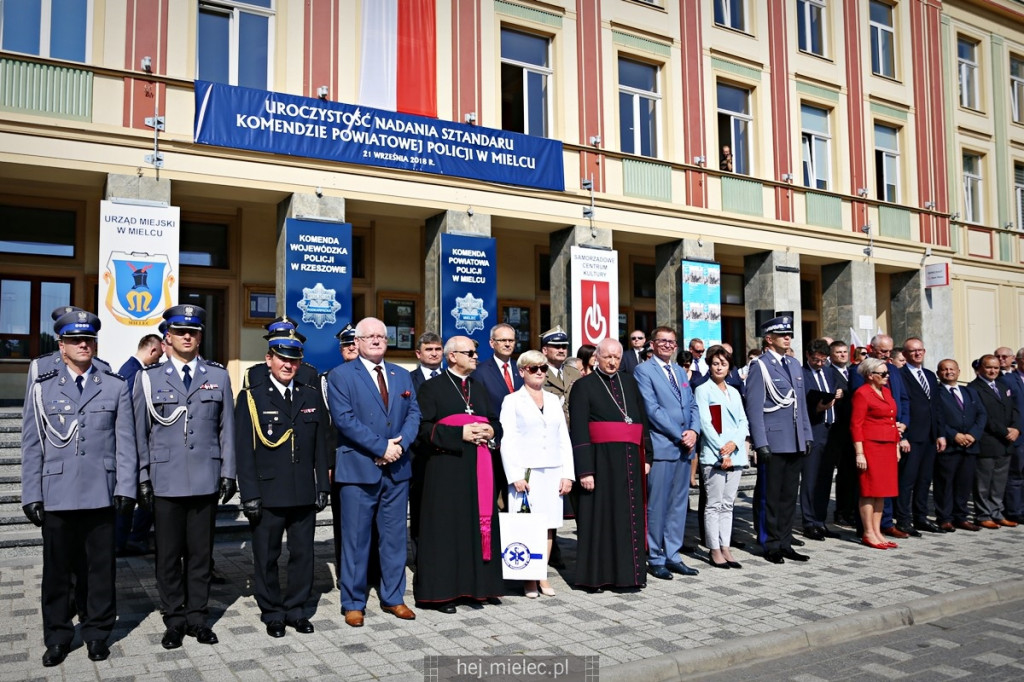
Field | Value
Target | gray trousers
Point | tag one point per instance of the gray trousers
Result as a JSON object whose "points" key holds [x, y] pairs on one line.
{"points": [[990, 476], [721, 489]]}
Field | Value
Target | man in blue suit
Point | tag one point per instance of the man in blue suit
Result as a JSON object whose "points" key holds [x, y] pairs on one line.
{"points": [[377, 417], [1013, 498], [675, 425], [925, 438], [430, 353], [820, 463], [962, 419], [780, 431], [499, 375]]}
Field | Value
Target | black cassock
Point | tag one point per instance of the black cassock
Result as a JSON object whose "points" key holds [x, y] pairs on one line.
{"points": [[449, 559], [611, 521]]}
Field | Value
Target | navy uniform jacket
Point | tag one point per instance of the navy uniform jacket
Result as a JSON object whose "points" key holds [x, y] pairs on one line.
{"points": [[291, 474], [490, 377], [953, 420], [78, 450], [785, 429], [189, 456]]}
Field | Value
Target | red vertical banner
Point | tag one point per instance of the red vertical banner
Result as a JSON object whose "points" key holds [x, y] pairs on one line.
{"points": [[594, 275]]}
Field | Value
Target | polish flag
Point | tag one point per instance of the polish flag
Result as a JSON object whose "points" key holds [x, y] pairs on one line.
{"points": [[399, 56]]}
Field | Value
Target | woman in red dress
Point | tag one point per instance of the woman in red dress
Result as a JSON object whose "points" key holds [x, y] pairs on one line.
{"points": [[876, 444]]}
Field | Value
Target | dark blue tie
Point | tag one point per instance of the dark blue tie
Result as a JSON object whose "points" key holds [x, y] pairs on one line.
{"points": [[187, 379], [79, 381]]}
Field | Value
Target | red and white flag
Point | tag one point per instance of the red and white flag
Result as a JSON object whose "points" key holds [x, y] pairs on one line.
{"points": [[399, 56]]}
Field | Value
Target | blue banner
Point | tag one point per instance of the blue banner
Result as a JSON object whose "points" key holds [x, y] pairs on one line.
{"points": [[469, 289], [318, 285], [264, 121], [702, 301]]}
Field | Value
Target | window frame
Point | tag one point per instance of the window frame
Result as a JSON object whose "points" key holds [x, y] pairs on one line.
{"points": [[36, 330], [546, 72], [734, 116], [804, 11], [1017, 90], [726, 15], [234, 9], [45, 28], [635, 95], [812, 136], [887, 153], [974, 198], [875, 33], [1018, 193], [970, 98]]}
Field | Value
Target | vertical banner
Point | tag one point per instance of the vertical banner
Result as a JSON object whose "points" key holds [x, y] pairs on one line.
{"points": [[469, 289], [138, 267], [318, 285], [702, 302], [594, 277]]}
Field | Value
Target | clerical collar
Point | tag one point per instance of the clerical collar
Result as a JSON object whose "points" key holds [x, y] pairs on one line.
{"points": [[456, 374], [604, 374], [281, 387]]}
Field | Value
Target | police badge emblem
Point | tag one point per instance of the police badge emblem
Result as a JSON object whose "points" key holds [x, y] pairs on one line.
{"points": [[319, 305], [469, 313]]}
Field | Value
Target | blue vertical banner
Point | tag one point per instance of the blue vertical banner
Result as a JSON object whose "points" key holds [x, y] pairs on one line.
{"points": [[469, 289], [318, 285], [702, 301]]}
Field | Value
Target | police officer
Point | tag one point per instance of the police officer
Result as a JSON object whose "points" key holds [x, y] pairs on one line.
{"points": [[347, 343], [55, 359], [281, 446], [79, 467], [184, 421]]}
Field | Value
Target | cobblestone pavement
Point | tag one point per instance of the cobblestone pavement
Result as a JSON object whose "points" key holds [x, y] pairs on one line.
{"points": [[987, 644], [841, 578]]}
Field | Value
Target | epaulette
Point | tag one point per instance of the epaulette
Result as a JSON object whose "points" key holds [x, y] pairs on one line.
{"points": [[47, 375], [115, 375], [101, 361], [211, 363], [153, 366], [45, 355]]}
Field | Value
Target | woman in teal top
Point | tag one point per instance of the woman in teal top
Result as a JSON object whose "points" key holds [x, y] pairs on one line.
{"points": [[723, 453]]}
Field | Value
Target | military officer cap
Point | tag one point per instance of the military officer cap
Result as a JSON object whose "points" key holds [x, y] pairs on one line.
{"points": [[284, 341], [282, 322], [162, 329], [778, 325], [555, 336], [63, 310], [79, 323], [347, 336], [185, 317]]}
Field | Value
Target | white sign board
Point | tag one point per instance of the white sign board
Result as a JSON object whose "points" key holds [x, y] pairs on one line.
{"points": [[594, 278], [936, 275]]}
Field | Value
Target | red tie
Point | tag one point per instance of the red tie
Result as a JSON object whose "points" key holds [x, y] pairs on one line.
{"points": [[382, 385], [508, 379]]}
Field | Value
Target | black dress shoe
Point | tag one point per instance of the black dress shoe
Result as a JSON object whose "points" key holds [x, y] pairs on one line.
{"points": [[659, 572], [301, 625], [796, 542], [908, 529], [829, 533], [448, 608], [814, 533], [172, 638], [203, 634], [724, 564], [98, 650], [493, 601], [680, 568], [598, 590], [774, 556], [927, 526], [55, 654], [739, 544], [794, 555], [275, 628], [734, 564]]}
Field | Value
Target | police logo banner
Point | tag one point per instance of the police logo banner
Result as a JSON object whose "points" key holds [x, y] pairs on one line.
{"points": [[469, 289]]}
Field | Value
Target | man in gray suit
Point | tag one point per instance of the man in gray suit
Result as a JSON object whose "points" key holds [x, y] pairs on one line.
{"points": [[184, 423], [71, 486], [780, 430]]}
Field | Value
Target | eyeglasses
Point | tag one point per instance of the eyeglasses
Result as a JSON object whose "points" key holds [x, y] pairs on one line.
{"points": [[998, 356], [531, 369], [372, 337], [637, 338], [881, 374], [467, 353], [921, 350], [697, 352], [503, 340], [665, 342]]}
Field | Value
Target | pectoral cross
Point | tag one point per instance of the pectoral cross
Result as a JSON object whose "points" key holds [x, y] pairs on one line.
{"points": [[469, 409]]}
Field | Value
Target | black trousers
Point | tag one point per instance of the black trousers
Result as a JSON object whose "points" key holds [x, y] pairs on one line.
{"points": [[778, 481], [915, 480], [847, 476], [300, 524], [953, 482], [183, 529], [78, 543], [816, 478]]}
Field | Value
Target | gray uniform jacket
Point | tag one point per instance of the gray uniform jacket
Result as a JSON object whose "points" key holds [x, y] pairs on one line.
{"points": [[78, 450], [186, 438], [51, 361], [785, 429]]}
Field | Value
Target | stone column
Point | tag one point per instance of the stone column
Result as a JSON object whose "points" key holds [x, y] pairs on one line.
{"points": [[562, 242], [848, 294], [451, 222], [772, 282], [143, 188], [669, 285], [308, 206], [923, 312]]}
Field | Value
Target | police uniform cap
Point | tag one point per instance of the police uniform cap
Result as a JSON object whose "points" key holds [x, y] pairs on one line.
{"points": [[347, 336], [63, 310], [778, 325], [185, 316], [286, 343], [282, 322], [162, 329], [555, 336], [77, 323]]}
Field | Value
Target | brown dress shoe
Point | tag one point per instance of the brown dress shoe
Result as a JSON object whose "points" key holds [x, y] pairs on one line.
{"points": [[947, 527], [967, 525], [988, 523], [354, 619], [895, 532], [1007, 523], [399, 611]]}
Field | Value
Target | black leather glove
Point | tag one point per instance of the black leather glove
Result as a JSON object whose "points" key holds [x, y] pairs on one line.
{"points": [[808, 445], [228, 488], [253, 510], [124, 506], [145, 497], [763, 453], [34, 512], [323, 499]]}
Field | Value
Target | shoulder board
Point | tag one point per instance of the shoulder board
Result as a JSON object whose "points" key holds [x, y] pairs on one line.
{"points": [[153, 366], [47, 375], [115, 375], [101, 362], [45, 355], [211, 363]]}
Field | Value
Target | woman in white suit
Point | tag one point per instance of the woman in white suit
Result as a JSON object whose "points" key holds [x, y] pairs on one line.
{"points": [[536, 452]]}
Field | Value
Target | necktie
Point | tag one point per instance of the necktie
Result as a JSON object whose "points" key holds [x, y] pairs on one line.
{"points": [[924, 382], [508, 379], [288, 395], [672, 380], [956, 394], [433, 373], [994, 388], [823, 385], [382, 385], [80, 382], [187, 377]]}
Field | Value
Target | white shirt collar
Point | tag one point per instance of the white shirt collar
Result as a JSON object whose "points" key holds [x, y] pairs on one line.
{"points": [[501, 363], [74, 375], [281, 387], [178, 364]]}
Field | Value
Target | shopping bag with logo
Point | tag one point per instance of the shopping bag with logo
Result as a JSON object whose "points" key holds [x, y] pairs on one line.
{"points": [[524, 542]]}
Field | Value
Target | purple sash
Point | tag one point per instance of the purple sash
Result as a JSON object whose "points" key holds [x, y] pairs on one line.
{"points": [[484, 479]]}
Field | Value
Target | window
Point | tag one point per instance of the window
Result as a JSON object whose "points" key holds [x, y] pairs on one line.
{"points": [[525, 77], [639, 105], [644, 280], [972, 188], [731, 13], [204, 245], [887, 163], [37, 231], [883, 39], [26, 330], [735, 128], [816, 141], [59, 29], [1017, 88], [1018, 193], [967, 72], [234, 42], [811, 26]]}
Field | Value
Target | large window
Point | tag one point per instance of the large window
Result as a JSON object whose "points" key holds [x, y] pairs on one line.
{"points": [[59, 29], [1017, 88], [816, 140], [731, 13], [37, 231], [967, 72], [887, 163], [735, 128], [1018, 193], [639, 105], [204, 244], [883, 40], [26, 330], [810, 17], [234, 42], [973, 202], [525, 79]]}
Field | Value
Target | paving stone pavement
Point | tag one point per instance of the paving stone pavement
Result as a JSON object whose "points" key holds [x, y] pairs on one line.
{"points": [[842, 578]]}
